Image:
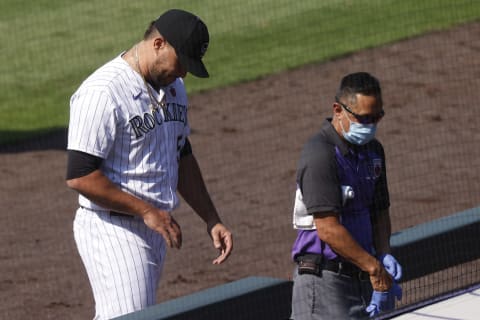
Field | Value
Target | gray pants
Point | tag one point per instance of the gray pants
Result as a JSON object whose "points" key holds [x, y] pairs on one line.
{"points": [[330, 296]]}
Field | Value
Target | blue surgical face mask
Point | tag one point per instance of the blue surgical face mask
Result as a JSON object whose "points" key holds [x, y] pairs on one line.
{"points": [[359, 133]]}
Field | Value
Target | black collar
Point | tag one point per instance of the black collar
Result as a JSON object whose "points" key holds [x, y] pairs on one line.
{"points": [[334, 138]]}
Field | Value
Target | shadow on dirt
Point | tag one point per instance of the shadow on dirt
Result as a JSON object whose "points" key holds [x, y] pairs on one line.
{"points": [[55, 139]]}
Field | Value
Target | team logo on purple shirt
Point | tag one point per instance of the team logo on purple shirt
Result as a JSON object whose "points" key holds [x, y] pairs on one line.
{"points": [[377, 167]]}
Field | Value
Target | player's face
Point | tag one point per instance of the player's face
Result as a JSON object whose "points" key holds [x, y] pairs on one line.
{"points": [[166, 67], [367, 110]]}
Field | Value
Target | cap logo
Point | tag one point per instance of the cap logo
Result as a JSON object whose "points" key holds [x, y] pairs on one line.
{"points": [[203, 49]]}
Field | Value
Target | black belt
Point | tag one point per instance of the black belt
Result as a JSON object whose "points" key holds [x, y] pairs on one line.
{"points": [[112, 213], [120, 214], [314, 264]]}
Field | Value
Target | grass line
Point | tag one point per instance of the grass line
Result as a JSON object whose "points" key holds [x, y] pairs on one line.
{"points": [[52, 45]]}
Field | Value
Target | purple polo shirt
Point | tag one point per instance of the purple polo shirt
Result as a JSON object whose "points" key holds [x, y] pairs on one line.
{"points": [[327, 162]]}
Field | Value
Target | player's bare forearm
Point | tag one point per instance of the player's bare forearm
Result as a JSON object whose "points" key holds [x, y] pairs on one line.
{"points": [[193, 189], [99, 189], [331, 231], [382, 231]]}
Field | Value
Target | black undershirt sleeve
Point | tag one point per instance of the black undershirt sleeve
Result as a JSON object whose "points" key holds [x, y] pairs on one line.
{"points": [[187, 149], [80, 164]]}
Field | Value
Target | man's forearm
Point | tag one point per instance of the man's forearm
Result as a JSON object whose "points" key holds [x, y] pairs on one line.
{"points": [[331, 231], [193, 189], [100, 190]]}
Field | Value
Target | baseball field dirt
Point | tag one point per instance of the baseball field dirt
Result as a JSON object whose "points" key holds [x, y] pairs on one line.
{"points": [[247, 139]]}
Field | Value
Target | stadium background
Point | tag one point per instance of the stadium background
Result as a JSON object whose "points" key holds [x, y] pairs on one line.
{"points": [[275, 66]]}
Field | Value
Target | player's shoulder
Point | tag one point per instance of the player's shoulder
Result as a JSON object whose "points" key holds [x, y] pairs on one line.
{"points": [[317, 147], [112, 74], [317, 141], [176, 92], [325, 137], [321, 145], [179, 86]]}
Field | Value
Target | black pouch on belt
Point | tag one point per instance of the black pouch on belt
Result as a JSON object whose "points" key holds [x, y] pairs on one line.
{"points": [[310, 264]]}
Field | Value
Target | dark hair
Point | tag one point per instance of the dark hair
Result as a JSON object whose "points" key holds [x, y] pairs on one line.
{"points": [[150, 30], [359, 82]]}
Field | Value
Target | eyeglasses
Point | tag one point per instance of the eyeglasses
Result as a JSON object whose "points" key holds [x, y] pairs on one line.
{"points": [[364, 119]]}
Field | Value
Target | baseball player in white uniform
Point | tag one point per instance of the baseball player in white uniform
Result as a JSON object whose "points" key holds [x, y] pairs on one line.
{"points": [[128, 154]]}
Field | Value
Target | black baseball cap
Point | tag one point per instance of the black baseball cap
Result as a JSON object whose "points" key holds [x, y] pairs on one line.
{"points": [[188, 35]]}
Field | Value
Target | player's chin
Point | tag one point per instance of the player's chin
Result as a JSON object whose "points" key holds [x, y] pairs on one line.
{"points": [[165, 81]]}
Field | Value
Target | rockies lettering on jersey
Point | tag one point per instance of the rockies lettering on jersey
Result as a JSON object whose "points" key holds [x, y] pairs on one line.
{"points": [[143, 125]]}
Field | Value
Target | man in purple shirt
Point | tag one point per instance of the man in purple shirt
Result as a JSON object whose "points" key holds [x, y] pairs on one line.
{"points": [[344, 267]]}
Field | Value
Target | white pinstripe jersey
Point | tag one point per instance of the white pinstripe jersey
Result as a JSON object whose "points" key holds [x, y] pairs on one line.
{"points": [[110, 118]]}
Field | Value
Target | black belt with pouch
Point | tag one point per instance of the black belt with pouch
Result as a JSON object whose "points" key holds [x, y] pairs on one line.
{"points": [[315, 263]]}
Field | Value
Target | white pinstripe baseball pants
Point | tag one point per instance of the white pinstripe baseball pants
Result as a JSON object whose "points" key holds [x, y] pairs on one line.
{"points": [[123, 259]]}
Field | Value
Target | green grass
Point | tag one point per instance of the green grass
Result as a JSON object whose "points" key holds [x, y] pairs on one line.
{"points": [[50, 46]]}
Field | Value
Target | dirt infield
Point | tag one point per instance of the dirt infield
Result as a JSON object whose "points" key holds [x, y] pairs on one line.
{"points": [[247, 139]]}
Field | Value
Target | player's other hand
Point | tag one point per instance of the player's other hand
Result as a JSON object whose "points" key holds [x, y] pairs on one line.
{"points": [[222, 240], [379, 277], [163, 223]]}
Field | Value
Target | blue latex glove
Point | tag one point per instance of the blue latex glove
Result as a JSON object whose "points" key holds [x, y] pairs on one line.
{"points": [[392, 266], [384, 301], [378, 300]]}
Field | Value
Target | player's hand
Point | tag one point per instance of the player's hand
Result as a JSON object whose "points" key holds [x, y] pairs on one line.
{"points": [[392, 266], [380, 278], [384, 301], [163, 223], [222, 240]]}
